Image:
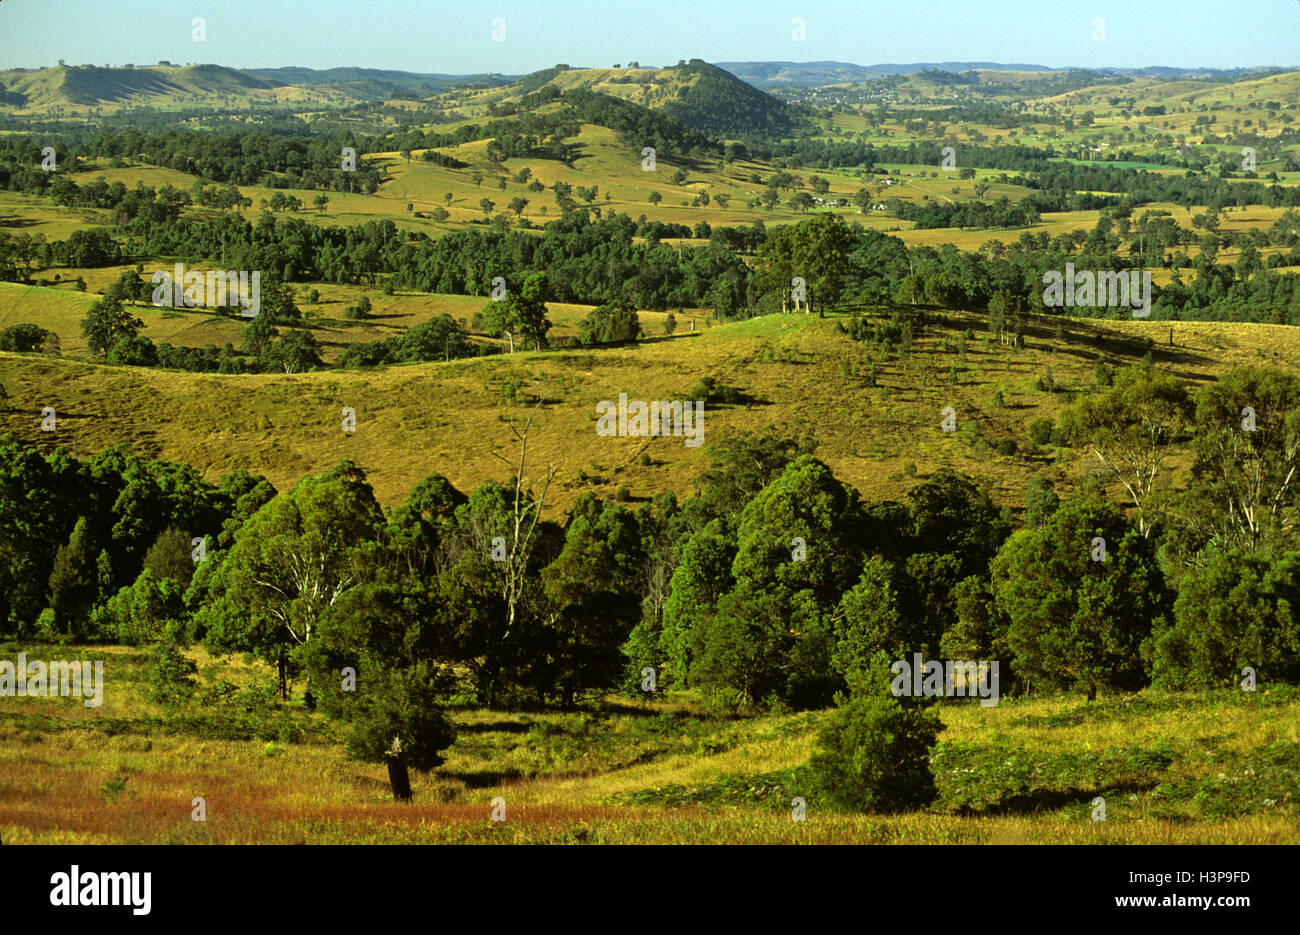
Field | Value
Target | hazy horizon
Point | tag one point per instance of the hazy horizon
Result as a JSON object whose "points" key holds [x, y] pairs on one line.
{"points": [[321, 34]]}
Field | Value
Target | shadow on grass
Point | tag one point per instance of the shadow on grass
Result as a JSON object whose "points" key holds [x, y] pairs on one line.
{"points": [[1050, 800], [491, 727], [485, 778]]}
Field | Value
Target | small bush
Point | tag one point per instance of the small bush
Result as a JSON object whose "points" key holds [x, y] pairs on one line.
{"points": [[874, 754], [360, 310], [47, 627], [1040, 431], [1005, 446], [134, 350], [711, 390], [1041, 501], [22, 338], [1046, 383], [623, 494], [171, 674], [259, 696], [114, 788], [608, 324], [998, 401], [909, 468]]}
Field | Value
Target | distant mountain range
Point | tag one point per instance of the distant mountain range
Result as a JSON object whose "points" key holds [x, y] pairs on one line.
{"points": [[82, 86], [380, 81], [698, 93], [818, 74]]}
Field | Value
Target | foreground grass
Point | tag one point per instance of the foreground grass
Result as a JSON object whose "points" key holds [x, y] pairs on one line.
{"points": [[1218, 767]]}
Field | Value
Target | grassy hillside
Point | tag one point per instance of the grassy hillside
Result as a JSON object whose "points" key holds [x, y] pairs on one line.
{"points": [[700, 95], [61, 309], [92, 86], [796, 370]]}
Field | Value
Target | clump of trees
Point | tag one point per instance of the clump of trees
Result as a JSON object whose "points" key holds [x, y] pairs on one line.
{"points": [[609, 324], [27, 338], [439, 338], [521, 312]]}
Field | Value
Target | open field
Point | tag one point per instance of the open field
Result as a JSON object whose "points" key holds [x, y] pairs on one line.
{"points": [[60, 310], [1220, 767]]}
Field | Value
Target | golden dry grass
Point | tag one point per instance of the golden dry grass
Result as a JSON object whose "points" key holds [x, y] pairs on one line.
{"points": [[66, 779], [449, 417]]}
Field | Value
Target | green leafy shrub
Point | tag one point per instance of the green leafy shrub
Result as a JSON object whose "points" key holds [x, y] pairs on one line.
{"points": [[1040, 431], [134, 351], [1041, 502], [171, 674], [711, 390], [360, 310], [873, 754], [608, 324], [23, 338]]}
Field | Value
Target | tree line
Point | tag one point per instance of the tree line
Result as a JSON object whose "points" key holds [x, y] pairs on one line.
{"points": [[774, 586], [770, 586]]}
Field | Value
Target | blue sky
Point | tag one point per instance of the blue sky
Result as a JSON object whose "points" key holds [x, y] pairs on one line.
{"points": [[451, 37]]}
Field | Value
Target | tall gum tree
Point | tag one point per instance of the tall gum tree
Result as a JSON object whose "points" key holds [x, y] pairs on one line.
{"points": [[291, 561]]}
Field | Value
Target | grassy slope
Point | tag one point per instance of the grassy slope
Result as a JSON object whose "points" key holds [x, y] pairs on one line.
{"points": [[65, 90], [448, 416], [60, 309], [1211, 768]]}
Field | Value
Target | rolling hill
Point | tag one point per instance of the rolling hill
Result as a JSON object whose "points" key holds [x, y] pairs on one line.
{"points": [[819, 74], [797, 371], [374, 83], [704, 97], [91, 86]]}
